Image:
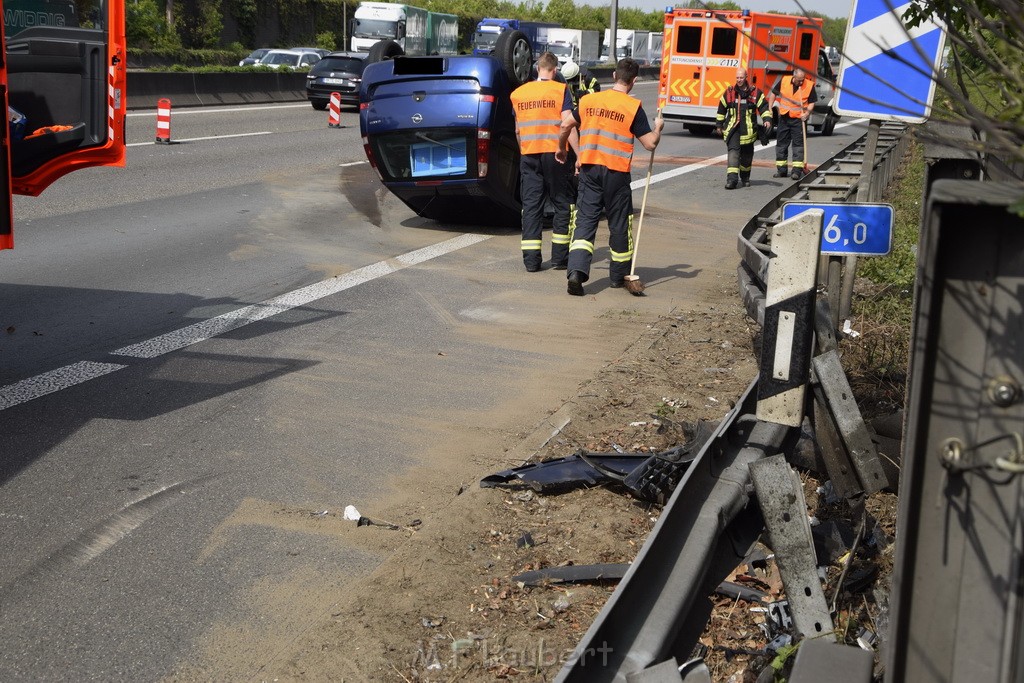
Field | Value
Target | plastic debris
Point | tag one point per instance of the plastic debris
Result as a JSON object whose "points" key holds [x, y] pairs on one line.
{"points": [[848, 329], [525, 541], [351, 513]]}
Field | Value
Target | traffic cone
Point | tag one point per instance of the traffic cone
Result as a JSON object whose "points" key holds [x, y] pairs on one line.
{"points": [[334, 117], [163, 122]]}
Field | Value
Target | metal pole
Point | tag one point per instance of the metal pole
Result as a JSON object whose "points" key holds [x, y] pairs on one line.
{"points": [[864, 193], [613, 54]]}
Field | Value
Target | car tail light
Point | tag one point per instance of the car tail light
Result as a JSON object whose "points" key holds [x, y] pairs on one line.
{"points": [[362, 106], [487, 98], [369, 156], [483, 151]]}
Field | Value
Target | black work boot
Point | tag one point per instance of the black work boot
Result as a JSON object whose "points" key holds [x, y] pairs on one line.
{"points": [[781, 171], [744, 180], [575, 286], [730, 181], [797, 174]]}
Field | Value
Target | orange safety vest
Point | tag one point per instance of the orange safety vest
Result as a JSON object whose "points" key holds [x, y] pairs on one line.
{"points": [[605, 136], [538, 109], [792, 102]]}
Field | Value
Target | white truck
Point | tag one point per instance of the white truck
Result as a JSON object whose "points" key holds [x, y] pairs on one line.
{"points": [[629, 43], [582, 47], [416, 31]]}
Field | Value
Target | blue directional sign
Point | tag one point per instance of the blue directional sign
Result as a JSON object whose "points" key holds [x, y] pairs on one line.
{"points": [[850, 229], [887, 70]]}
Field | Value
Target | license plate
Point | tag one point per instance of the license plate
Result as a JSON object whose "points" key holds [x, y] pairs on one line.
{"points": [[335, 81]]}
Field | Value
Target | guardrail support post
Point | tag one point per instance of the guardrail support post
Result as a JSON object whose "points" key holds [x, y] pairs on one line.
{"points": [[865, 188], [789, 319]]}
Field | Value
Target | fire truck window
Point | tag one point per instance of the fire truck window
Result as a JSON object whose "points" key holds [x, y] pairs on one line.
{"points": [[22, 14], [723, 41], [688, 40], [806, 43]]}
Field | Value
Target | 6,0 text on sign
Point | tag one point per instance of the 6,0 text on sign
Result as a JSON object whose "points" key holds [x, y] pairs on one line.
{"points": [[850, 229]]}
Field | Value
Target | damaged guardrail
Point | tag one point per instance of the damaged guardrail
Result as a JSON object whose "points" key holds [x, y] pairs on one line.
{"points": [[650, 626]]}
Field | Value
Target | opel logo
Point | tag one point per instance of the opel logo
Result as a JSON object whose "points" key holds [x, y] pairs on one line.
{"points": [[417, 118]]}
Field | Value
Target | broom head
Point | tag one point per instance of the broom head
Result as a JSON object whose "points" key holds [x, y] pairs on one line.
{"points": [[634, 285]]}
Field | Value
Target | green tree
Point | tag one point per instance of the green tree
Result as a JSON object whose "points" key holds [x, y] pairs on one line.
{"points": [[146, 26], [983, 87]]}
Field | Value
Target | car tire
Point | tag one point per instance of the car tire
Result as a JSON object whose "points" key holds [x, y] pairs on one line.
{"points": [[319, 105], [829, 126], [515, 53], [383, 50]]}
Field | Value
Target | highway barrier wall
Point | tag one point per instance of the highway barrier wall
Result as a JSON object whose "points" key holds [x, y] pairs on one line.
{"points": [[145, 88]]}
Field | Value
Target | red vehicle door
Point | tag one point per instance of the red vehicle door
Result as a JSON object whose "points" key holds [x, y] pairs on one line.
{"points": [[63, 74]]}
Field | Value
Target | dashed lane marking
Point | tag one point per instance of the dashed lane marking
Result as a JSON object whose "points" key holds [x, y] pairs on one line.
{"points": [[78, 373]]}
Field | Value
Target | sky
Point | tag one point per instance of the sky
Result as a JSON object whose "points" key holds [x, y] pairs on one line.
{"points": [[830, 8]]}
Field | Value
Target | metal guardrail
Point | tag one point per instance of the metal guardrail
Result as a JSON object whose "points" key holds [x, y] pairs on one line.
{"points": [[650, 626]]}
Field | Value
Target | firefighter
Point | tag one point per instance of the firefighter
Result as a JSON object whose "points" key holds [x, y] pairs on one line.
{"points": [[736, 122], [794, 96], [608, 121], [581, 81], [541, 108]]}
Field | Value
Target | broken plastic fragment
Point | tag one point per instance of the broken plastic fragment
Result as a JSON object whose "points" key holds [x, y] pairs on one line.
{"points": [[351, 513]]}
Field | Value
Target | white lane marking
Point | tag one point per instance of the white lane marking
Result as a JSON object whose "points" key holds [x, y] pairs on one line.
{"points": [[208, 137], [78, 373], [172, 341], [697, 165], [181, 111], [53, 381], [353, 163]]}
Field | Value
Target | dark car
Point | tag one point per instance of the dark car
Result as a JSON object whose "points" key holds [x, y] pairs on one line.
{"points": [[339, 72], [441, 133], [255, 56]]}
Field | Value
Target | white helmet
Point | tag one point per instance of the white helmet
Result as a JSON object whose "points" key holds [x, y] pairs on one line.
{"points": [[570, 69]]}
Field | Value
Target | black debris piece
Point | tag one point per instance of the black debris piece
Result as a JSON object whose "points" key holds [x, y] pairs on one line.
{"points": [[578, 573]]}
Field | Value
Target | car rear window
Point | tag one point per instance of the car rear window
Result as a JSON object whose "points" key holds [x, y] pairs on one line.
{"points": [[350, 65], [428, 153]]}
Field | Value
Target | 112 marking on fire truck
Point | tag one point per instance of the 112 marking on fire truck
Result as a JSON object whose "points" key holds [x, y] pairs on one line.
{"points": [[703, 48]]}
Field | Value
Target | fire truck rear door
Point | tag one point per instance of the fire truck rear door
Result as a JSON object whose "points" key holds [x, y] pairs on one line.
{"points": [[66, 76], [6, 216], [686, 65]]}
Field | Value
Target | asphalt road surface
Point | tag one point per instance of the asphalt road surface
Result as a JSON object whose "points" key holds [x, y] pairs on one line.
{"points": [[205, 350]]}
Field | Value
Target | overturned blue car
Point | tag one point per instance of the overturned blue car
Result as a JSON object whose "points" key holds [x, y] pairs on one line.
{"points": [[441, 133]]}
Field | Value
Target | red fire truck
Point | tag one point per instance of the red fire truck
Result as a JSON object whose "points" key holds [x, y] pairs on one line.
{"points": [[703, 48], [63, 78]]}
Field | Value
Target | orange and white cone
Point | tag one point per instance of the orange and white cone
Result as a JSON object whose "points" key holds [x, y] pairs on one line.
{"points": [[163, 122], [334, 116]]}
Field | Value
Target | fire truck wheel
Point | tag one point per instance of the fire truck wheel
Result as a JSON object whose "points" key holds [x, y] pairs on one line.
{"points": [[383, 49], [829, 126], [515, 53], [699, 129]]}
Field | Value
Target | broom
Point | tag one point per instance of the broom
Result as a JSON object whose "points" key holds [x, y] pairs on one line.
{"points": [[632, 281]]}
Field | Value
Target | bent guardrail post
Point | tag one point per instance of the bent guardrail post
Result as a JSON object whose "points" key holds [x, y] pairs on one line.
{"points": [[781, 497], [788, 330], [661, 606]]}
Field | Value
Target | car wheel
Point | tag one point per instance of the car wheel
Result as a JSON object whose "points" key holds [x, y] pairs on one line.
{"points": [[514, 52], [829, 126], [319, 105], [382, 50]]}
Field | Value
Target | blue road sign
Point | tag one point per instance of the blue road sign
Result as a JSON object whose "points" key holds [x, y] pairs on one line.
{"points": [[887, 68], [850, 229]]}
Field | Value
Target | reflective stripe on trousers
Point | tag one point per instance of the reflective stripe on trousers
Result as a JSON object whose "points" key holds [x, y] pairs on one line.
{"points": [[603, 189]]}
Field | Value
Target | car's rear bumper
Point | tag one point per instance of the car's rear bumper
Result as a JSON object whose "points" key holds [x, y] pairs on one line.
{"points": [[481, 201], [349, 94]]}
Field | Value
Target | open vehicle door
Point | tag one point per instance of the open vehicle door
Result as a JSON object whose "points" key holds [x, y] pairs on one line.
{"points": [[64, 74]]}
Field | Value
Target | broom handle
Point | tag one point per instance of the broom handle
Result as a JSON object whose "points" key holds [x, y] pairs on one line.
{"points": [[643, 207]]}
